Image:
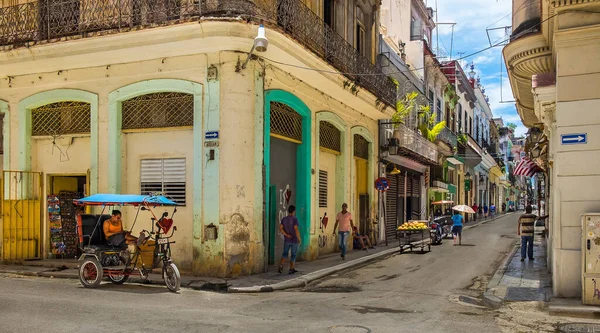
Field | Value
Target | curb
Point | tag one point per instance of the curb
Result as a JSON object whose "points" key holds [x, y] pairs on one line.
{"points": [[489, 298], [310, 277]]}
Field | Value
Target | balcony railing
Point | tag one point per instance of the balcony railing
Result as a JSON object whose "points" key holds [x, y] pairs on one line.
{"points": [[416, 143], [448, 137], [50, 20], [439, 184]]}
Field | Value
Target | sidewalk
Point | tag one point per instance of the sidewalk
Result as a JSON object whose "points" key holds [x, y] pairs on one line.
{"points": [[517, 281], [308, 271]]}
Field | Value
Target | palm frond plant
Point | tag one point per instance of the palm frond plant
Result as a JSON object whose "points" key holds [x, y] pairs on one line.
{"points": [[429, 128], [404, 107]]}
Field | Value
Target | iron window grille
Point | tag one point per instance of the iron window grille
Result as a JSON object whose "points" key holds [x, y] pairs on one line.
{"points": [[330, 137], [286, 122], [361, 147], [61, 118], [164, 176], [158, 110]]}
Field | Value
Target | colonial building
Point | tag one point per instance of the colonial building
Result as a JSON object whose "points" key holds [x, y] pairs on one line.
{"points": [[554, 74], [172, 97]]}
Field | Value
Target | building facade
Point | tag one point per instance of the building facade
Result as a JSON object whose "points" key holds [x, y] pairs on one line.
{"points": [[554, 80], [163, 99]]}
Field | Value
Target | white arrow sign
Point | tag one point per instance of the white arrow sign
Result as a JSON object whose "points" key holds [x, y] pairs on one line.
{"points": [[578, 139], [575, 138]]}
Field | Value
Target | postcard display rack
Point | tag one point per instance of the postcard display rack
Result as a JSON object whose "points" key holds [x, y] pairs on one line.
{"points": [[63, 224]]}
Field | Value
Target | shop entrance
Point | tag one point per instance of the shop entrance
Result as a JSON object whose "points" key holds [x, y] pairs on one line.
{"points": [[62, 213], [287, 160]]}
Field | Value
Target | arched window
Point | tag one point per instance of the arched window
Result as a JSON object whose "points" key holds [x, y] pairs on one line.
{"points": [[361, 147], [158, 110], [68, 117], [285, 122], [330, 137]]}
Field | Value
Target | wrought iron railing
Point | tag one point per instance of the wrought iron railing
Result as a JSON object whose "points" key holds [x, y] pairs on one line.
{"points": [[49, 20], [448, 137], [415, 142]]}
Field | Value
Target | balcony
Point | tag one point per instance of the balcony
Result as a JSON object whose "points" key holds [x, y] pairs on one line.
{"points": [[449, 137], [438, 185], [406, 142], [33, 22]]}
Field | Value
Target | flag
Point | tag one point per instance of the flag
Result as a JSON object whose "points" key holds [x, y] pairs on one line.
{"points": [[525, 167]]}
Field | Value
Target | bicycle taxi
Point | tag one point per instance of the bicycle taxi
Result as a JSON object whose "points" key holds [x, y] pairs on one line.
{"points": [[100, 259]]}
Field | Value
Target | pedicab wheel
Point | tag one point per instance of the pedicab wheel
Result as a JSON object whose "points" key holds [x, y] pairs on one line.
{"points": [[119, 279], [172, 277], [90, 273]]}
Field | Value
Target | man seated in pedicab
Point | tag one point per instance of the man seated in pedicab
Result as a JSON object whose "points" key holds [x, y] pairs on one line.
{"points": [[114, 233], [359, 240]]}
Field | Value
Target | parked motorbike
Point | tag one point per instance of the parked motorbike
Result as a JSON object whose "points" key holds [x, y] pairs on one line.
{"points": [[441, 228]]}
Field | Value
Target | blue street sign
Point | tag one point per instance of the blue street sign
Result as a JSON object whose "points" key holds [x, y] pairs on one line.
{"points": [[211, 135], [573, 139]]}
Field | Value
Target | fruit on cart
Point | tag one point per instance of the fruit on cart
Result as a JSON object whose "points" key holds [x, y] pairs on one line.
{"points": [[413, 226]]}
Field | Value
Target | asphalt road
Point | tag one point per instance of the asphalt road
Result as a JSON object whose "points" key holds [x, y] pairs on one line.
{"points": [[411, 292]]}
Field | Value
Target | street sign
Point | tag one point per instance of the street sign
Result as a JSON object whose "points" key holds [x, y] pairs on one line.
{"points": [[381, 184], [213, 135], [573, 139]]}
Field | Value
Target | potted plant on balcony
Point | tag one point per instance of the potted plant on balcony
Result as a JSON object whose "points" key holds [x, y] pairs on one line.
{"points": [[429, 129]]}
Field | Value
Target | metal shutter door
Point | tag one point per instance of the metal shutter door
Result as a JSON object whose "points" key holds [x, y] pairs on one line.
{"points": [[391, 200]]}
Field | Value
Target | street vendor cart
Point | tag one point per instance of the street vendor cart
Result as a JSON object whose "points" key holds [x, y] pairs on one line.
{"points": [[413, 235]]}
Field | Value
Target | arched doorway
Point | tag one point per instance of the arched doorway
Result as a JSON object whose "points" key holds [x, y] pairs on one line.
{"points": [[332, 177], [287, 161]]}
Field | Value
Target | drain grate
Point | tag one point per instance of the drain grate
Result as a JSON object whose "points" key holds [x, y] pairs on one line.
{"points": [[579, 328], [348, 329]]}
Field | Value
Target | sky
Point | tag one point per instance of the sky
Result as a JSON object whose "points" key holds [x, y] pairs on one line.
{"points": [[472, 18]]}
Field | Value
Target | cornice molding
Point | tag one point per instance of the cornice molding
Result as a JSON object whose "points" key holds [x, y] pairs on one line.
{"points": [[565, 3]]}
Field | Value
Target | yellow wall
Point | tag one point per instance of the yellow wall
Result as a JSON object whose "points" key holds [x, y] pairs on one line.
{"points": [[327, 163], [178, 52]]}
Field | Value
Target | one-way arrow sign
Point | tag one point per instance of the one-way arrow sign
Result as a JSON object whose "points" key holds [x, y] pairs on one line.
{"points": [[211, 135], [572, 139]]}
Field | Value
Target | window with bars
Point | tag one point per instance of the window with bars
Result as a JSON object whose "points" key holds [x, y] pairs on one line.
{"points": [[68, 117], [286, 122], [330, 137], [164, 176], [323, 188], [158, 110], [361, 147]]}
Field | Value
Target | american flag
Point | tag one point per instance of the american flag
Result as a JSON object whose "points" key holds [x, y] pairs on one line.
{"points": [[527, 168]]}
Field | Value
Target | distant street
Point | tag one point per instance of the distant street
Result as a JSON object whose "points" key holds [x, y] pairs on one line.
{"points": [[411, 292]]}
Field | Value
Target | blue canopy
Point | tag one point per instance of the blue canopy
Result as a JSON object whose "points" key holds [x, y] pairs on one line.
{"points": [[123, 200]]}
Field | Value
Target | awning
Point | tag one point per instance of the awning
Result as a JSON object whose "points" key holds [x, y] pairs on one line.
{"points": [[402, 161], [452, 189], [455, 160]]}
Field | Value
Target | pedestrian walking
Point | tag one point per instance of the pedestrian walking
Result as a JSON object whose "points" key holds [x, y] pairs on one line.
{"points": [[344, 220], [289, 229], [485, 211], [526, 231], [457, 227], [503, 207], [475, 209], [492, 210]]}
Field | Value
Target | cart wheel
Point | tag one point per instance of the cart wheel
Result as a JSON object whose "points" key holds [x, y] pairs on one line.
{"points": [[172, 277], [120, 279], [90, 272]]}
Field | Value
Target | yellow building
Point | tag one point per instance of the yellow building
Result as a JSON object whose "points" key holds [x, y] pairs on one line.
{"points": [[554, 74], [114, 98]]}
